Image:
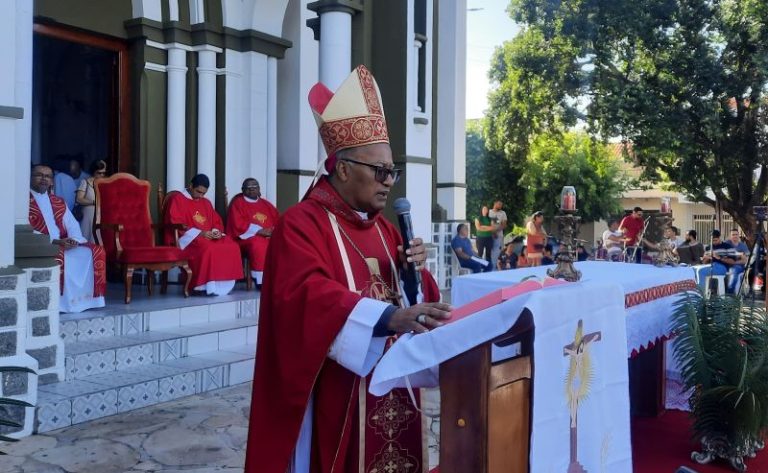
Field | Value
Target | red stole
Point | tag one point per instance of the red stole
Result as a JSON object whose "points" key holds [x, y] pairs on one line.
{"points": [[37, 221], [304, 304]]}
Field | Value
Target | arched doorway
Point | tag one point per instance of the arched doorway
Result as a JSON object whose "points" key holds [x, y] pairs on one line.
{"points": [[80, 99]]}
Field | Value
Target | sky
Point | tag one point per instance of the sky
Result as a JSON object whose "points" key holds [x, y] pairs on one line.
{"points": [[488, 26]]}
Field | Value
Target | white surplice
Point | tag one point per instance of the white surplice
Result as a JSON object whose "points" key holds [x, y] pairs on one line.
{"points": [[78, 261]]}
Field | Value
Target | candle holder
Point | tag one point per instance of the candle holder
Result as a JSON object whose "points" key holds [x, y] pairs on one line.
{"points": [[568, 224]]}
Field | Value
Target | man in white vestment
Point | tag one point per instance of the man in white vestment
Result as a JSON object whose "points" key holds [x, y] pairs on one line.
{"points": [[83, 265]]}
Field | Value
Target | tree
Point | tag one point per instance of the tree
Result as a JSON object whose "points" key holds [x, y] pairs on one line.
{"points": [[574, 159], [491, 177], [683, 81]]}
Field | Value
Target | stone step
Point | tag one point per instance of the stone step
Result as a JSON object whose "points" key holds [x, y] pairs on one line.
{"points": [[99, 395], [120, 353], [117, 320]]}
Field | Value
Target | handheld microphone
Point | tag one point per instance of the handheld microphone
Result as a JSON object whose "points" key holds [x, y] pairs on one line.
{"points": [[412, 278]]}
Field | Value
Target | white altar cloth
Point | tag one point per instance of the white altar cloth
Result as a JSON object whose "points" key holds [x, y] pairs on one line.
{"points": [[603, 427], [649, 292]]}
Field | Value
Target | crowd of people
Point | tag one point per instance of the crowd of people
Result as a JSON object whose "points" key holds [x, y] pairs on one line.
{"points": [[62, 205], [623, 241]]}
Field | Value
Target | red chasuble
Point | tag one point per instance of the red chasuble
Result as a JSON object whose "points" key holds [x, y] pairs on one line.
{"points": [[240, 216], [305, 302], [210, 260], [59, 207]]}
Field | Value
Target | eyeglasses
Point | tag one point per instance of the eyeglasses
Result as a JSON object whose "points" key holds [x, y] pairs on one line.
{"points": [[40, 175], [251, 188], [100, 173], [380, 172]]}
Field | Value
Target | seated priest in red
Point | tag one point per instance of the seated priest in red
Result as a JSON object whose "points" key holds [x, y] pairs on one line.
{"points": [[331, 301], [213, 257], [83, 278], [250, 220]]}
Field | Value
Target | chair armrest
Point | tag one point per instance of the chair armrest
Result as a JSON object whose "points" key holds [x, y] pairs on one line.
{"points": [[115, 227], [171, 226]]}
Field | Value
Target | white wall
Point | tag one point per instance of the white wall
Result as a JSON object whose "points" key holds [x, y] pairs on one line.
{"points": [[246, 115], [15, 91], [297, 142], [451, 106]]}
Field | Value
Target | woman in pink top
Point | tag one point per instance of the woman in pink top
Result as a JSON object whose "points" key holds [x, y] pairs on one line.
{"points": [[535, 239]]}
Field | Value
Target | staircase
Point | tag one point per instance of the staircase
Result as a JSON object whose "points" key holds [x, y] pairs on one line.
{"points": [[122, 359]]}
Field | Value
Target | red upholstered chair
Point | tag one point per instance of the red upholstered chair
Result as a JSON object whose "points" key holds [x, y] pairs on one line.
{"points": [[124, 227]]}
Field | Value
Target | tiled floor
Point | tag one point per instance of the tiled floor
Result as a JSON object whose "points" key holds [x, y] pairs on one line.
{"points": [[204, 433]]}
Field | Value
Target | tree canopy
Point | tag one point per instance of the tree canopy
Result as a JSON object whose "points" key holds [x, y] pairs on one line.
{"points": [[683, 82], [574, 159]]}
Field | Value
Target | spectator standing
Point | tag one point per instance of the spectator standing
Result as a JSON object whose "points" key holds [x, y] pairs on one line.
{"points": [[631, 227], [499, 217], [536, 239], [485, 229], [86, 198]]}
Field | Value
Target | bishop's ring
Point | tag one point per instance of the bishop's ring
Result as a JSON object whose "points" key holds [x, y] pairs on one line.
{"points": [[422, 319]]}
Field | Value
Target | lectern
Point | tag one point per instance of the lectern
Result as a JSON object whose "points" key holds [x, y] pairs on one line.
{"points": [[485, 406]]}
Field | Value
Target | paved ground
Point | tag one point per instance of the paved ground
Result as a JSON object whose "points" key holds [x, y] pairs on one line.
{"points": [[201, 434]]}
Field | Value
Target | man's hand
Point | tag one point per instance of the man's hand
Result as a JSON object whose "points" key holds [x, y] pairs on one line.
{"points": [[265, 232], [211, 234], [66, 243], [417, 253], [419, 318]]}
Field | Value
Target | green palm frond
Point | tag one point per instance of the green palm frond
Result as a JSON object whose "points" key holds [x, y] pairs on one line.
{"points": [[721, 346], [12, 402]]}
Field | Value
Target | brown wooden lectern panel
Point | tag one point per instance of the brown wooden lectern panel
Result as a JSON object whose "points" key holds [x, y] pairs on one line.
{"points": [[485, 407]]}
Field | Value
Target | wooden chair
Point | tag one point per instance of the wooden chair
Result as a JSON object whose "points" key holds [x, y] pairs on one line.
{"points": [[124, 227]]}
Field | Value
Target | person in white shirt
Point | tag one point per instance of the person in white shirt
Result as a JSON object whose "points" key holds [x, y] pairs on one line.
{"points": [[500, 217], [613, 240]]}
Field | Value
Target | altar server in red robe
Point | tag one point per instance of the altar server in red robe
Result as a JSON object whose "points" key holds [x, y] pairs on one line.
{"points": [[250, 221], [83, 279], [331, 298], [213, 256]]}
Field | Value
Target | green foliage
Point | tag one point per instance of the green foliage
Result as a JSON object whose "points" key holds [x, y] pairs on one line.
{"points": [[574, 159], [721, 348], [491, 177], [684, 82], [4, 401]]}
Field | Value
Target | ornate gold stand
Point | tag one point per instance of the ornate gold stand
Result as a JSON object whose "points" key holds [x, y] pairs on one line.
{"points": [[568, 224]]}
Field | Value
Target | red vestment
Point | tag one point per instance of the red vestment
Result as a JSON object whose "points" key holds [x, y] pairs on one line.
{"points": [[59, 207], [210, 260], [305, 302], [240, 216]]}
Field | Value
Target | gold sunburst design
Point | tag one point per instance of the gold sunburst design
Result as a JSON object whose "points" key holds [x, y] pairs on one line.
{"points": [[259, 217], [199, 218]]}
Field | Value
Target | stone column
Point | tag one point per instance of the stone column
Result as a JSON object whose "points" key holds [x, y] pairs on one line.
{"points": [[271, 184], [206, 116], [335, 36], [451, 108], [176, 120]]}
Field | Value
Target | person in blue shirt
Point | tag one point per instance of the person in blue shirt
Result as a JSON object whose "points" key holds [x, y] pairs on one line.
{"points": [[722, 257], [740, 263], [462, 246]]}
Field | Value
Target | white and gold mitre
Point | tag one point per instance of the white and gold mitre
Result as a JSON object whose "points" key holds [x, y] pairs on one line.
{"points": [[351, 117]]}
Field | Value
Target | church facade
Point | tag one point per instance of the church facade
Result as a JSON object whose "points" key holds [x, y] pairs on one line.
{"points": [[165, 89]]}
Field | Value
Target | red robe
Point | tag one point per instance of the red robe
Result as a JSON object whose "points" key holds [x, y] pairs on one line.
{"points": [[210, 260], [240, 216], [59, 207], [305, 302]]}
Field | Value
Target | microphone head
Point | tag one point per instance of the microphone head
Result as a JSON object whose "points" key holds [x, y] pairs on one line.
{"points": [[401, 206]]}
